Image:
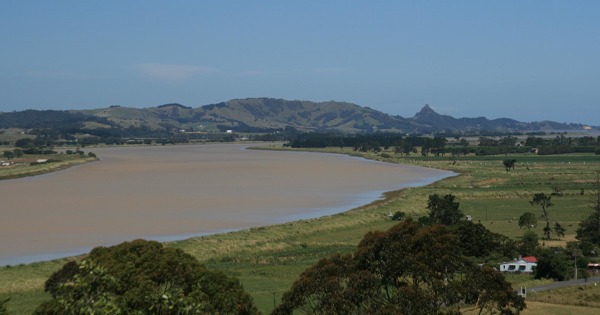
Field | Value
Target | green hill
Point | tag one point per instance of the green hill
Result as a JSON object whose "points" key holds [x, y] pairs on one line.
{"points": [[265, 114]]}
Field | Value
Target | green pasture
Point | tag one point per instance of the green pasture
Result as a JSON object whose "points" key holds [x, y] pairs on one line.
{"points": [[14, 137], [268, 259], [587, 295], [63, 161]]}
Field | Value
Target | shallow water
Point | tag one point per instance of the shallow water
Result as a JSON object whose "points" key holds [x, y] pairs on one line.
{"points": [[175, 192]]}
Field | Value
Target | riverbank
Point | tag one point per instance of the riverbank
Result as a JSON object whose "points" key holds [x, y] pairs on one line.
{"points": [[175, 193], [268, 259], [34, 170]]}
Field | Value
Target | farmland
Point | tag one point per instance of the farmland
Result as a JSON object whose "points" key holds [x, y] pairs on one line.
{"points": [[268, 259]]}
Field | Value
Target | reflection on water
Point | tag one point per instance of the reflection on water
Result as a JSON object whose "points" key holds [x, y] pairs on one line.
{"points": [[174, 192]]}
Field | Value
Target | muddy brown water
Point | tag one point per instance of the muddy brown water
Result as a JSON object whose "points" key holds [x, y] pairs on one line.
{"points": [[175, 192]]}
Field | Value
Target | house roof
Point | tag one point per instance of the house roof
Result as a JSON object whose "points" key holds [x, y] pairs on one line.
{"points": [[530, 259]]}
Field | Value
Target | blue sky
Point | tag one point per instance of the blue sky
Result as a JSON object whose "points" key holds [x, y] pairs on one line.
{"points": [[528, 60]]}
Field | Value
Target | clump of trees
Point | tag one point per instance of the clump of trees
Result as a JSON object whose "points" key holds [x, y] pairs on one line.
{"points": [[372, 142], [561, 144], [409, 269], [551, 264], [475, 240], [143, 277]]}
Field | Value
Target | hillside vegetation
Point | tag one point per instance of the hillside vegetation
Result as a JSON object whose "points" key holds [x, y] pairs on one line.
{"points": [[266, 115]]}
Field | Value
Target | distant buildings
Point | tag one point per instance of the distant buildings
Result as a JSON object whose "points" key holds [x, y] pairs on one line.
{"points": [[524, 264], [229, 131]]}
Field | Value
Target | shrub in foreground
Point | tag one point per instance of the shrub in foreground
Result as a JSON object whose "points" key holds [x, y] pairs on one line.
{"points": [[407, 270], [143, 277]]}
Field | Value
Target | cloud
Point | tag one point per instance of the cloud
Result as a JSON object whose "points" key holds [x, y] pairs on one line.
{"points": [[171, 72], [63, 75]]}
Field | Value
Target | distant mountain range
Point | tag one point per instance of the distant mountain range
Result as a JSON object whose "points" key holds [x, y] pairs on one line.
{"points": [[255, 114]]}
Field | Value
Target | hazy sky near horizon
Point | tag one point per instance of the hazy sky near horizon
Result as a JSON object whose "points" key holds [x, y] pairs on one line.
{"points": [[527, 60]]}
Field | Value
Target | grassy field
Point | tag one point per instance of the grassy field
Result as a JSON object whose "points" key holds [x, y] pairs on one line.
{"points": [[582, 295], [268, 259], [13, 134], [64, 161]]}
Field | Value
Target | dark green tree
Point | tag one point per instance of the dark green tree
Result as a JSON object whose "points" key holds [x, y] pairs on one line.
{"points": [[407, 147], [444, 210], [529, 243], [559, 229], [508, 164], [398, 216], [143, 277], [475, 240], [558, 190], [550, 265], [589, 229], [8, 154], [543, 200], [426, 147], [582, 268], [18, 153], [407, 270], [67, 272], [528, 220]]}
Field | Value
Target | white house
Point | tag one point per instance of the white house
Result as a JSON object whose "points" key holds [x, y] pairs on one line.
{"points": [[229, 131], [524, 264]]}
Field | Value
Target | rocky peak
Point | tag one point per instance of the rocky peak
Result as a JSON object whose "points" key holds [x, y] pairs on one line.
{"points": [[426, 111]]}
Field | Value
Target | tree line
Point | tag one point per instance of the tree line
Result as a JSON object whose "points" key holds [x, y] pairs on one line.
{"points": [[371, 142]]}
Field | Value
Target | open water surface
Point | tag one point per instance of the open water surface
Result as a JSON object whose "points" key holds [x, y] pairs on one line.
{"points": [[175, 192]]}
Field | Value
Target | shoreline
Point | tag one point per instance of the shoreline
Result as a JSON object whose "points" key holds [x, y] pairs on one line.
{"points": [[349, 203], [268, 259], [50, 168]]}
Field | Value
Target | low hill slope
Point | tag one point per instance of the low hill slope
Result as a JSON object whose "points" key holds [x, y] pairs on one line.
{"points": [[267, 114], [427, 116]]}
